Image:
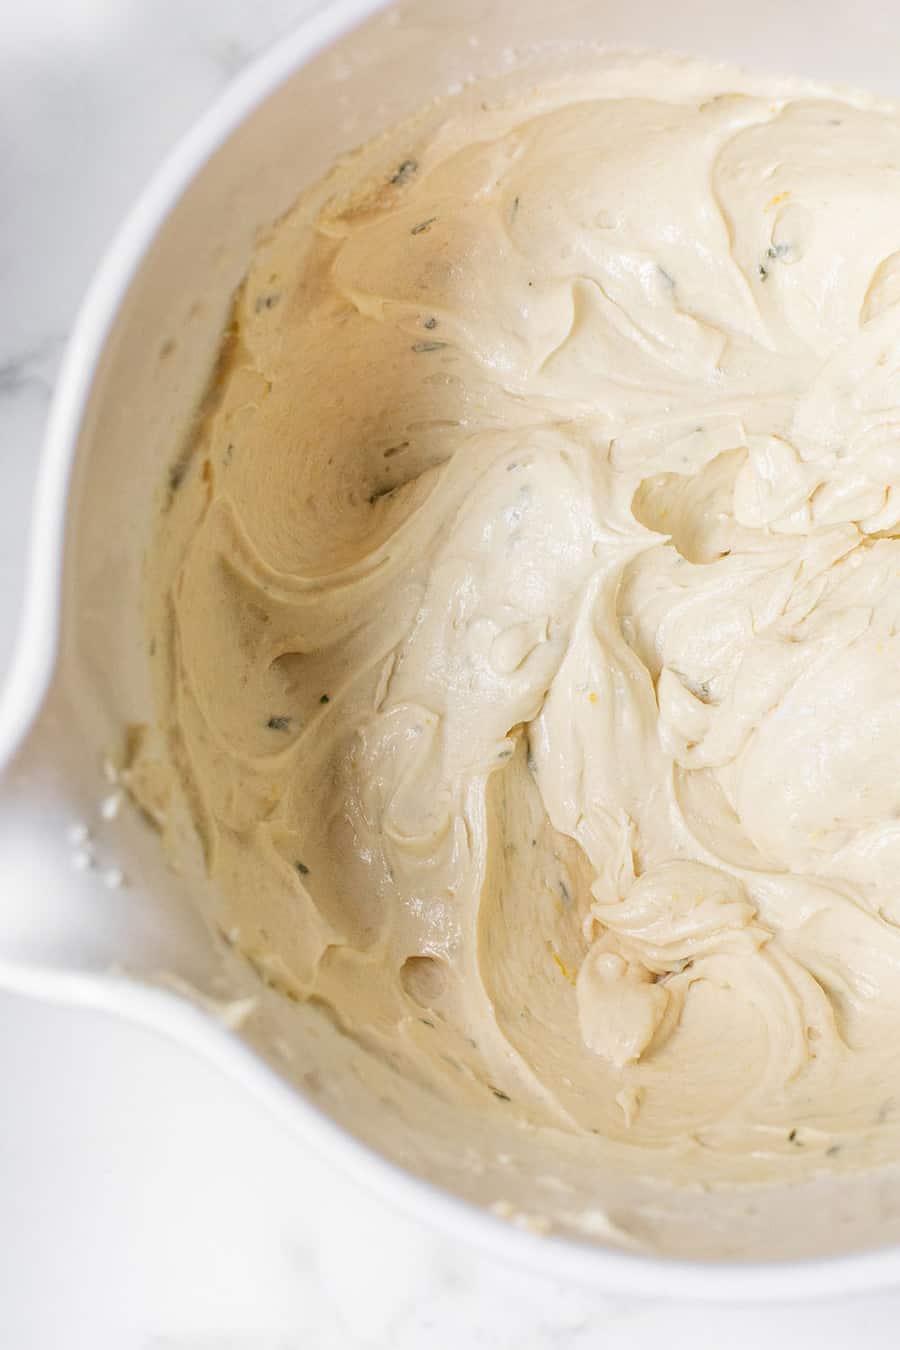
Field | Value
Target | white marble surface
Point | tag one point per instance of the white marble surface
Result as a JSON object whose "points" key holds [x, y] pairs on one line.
{"points": [[144, 1200]]}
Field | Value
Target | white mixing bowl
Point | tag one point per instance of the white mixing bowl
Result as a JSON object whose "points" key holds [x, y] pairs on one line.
{"points": [[140, 354]]}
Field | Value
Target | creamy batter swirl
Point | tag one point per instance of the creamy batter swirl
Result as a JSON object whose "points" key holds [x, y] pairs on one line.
{"points": [[532, 628]]}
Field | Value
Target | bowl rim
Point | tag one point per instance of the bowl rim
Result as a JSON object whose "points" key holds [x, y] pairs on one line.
{"points": [[32, 668]]}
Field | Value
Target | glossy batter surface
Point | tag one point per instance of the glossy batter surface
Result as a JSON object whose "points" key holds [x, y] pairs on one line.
{"points": [[532, 592]]}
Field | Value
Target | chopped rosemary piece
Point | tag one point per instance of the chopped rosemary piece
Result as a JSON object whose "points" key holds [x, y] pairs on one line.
{"points": [[428, 346], [501, 1096], [278, 723], [430, 323], [381, 492], [178, 472], [404, 171], [324, 699], [302, 868], [423, 225]]}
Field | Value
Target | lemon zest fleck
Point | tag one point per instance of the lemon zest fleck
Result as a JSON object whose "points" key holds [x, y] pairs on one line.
{"points": [[567, 974]]}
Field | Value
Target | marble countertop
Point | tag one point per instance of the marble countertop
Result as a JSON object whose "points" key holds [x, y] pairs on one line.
{"points": [[147, 1202]]}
